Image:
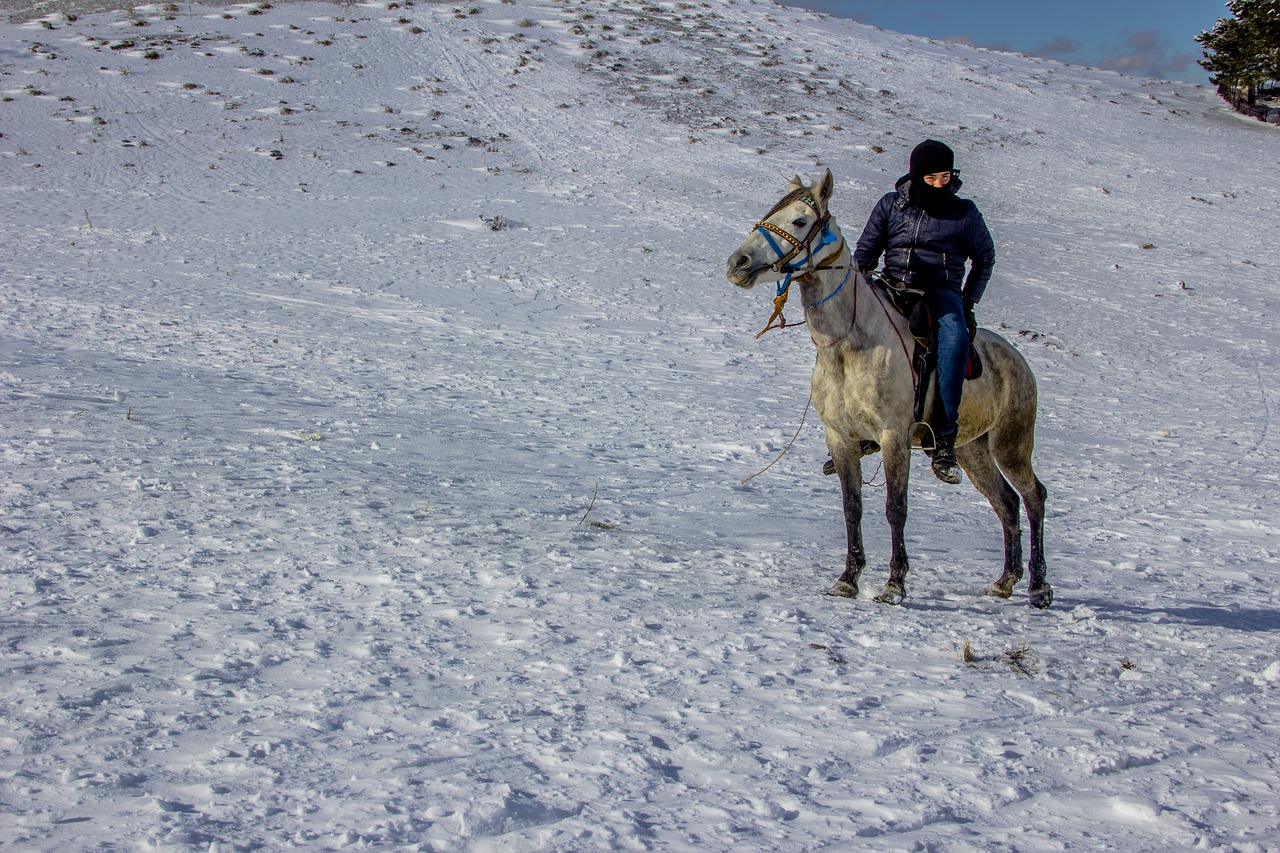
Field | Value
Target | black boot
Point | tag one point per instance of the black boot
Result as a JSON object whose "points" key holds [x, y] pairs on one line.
{"points": [[944, 460], [868, 447]]}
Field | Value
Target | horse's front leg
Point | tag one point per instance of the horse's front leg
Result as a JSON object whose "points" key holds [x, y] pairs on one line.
{"points": [[848, 465], [896, 453]]}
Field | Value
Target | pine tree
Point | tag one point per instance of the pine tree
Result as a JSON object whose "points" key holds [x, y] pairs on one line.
{"points": [[1244, 51]]}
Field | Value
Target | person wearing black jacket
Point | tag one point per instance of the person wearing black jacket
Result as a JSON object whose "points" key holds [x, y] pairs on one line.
{"points": [[926, 233]]}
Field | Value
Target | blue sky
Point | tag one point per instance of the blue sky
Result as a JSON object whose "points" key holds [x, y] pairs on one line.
{"points": [[1153, 38]]}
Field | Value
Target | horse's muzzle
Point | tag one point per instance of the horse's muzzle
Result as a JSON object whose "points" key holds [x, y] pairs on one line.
{"points": [[740, 271]]}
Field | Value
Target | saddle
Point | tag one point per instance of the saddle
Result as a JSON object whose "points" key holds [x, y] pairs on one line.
{"points": [[924, 330]]}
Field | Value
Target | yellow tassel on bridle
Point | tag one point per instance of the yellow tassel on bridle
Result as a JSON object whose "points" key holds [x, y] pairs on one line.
{"points": [[779, 302]]}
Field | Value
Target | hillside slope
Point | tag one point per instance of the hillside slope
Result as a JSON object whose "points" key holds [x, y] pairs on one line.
{"points": [[375, 411]]}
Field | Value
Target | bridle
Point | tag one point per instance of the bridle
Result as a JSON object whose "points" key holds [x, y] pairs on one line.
{"points": [[819, 228], [819, 231], [806, 270]]}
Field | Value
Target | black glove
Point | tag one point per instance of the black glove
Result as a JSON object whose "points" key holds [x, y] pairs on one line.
{"points": [[970, 318]]}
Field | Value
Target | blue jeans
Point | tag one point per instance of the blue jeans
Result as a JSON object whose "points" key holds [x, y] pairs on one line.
{"points": [[947, 307]]}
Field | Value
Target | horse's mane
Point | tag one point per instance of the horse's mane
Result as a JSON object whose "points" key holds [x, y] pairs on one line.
{"points": [[788, 198]]}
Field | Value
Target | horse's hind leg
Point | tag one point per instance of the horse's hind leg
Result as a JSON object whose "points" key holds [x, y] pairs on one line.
{"points": [[1039, 589], [1016, 464], [976, 460]]}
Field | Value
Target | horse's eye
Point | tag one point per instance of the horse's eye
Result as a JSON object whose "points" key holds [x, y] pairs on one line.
{"points": [[799, 223]]}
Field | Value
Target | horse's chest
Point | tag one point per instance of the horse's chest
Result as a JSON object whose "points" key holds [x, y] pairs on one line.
{"points": [[856, 394]]}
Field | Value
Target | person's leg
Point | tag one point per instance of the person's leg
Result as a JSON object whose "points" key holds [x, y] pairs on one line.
{"points": [[947, 307], [953, 356]]}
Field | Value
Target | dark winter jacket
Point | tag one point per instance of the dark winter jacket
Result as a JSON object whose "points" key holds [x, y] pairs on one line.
{"points": [[926, 251]]}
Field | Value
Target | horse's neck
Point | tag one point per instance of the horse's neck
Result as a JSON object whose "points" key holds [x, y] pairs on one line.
{"points": [[841, 308]]}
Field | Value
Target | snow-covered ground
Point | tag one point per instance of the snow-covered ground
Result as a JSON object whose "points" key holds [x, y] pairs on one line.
{"points": [[375, 410]]}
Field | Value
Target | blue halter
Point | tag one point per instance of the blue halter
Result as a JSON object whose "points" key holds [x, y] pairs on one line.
{"points": [[825, 238]]}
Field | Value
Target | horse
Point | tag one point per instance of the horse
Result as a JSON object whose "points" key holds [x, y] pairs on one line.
{"points": [[863, 390]]}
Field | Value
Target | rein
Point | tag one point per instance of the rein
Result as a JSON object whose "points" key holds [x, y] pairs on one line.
{"points": [[853, 321]]}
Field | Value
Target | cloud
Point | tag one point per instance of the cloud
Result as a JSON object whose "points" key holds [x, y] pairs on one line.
{"points": [[1146, 53], [1058, 47]]}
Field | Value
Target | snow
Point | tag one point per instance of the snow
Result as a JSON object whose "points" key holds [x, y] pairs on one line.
{"points": [[375, 411]]}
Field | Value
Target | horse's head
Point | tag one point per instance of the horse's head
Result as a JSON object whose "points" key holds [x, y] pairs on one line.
{"points": [[786, 240]]}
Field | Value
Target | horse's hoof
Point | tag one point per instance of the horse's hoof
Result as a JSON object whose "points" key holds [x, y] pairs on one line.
{"points": [[1001, 590], [842, 589], [891, 594], [1042, 597]]}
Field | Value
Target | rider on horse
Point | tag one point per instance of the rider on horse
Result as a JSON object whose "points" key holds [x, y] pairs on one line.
{"points": [[926, 233]]}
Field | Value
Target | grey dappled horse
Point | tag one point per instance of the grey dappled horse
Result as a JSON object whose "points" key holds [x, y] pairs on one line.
{"points": [[863, 390]]}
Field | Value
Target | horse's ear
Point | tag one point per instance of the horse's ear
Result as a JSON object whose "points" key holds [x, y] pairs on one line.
{"points": [[824, 187], [796, 183]]}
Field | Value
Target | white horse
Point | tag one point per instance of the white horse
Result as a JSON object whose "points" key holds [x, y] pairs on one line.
{"points": [[863, 389]]}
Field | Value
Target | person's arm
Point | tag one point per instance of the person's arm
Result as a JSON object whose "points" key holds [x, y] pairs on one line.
{"points": [[871, 245], [982, 256]]}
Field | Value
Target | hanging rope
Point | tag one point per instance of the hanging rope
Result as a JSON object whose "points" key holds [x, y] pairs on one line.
{"points": [[746, 480], [868, 482]]}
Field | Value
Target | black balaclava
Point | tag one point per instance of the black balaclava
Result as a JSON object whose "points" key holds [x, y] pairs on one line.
{"points": [[930, 157]]}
